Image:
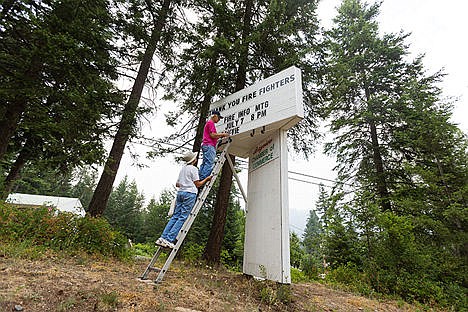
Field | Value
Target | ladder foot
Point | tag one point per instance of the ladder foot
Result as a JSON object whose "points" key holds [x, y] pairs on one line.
{"points": [[147, 281]]}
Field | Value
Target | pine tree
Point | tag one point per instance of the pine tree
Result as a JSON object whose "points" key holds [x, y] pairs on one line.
{"points": [[57, 91], [125, 207], [296, 251], [254, 34], [395, 143], [311, 236], [83, 189], [159, 18], [44, 181]]}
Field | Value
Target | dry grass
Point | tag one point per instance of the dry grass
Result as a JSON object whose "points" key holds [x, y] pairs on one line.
{"points": [[87, 284]]}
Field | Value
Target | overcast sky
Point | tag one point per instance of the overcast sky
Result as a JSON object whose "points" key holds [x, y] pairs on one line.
{"points": [[438, 30]]}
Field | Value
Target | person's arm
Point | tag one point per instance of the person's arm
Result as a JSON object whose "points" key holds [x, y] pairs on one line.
{"points": [[215, 135], [199, 183]]}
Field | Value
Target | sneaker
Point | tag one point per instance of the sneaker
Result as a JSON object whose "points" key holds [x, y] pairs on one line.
{"points": [[161, 242], [168, 243]]}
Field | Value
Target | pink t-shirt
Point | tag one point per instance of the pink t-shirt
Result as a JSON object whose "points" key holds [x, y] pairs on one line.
{"points": [[209, 128]]}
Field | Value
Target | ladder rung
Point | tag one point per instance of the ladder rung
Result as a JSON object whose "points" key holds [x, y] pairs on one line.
{"points": [[154, 269], [164, 247]]}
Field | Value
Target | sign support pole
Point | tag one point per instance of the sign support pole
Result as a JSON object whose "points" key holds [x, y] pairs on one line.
{"points": [[266, 247]]}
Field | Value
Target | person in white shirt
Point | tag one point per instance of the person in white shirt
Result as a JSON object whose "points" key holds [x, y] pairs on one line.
{"points": [[188, 184]]}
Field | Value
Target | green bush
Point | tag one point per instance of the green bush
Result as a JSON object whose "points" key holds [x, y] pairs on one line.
{"points": [[411, 287], [344, 274], [298, 276], [231, 261], [146, 250], [192, 252], [60, 231], [348, 275], [311, 266], [420, 288]]}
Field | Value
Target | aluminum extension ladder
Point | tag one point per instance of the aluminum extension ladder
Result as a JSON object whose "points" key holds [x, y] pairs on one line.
{"points": [[191, 218]]}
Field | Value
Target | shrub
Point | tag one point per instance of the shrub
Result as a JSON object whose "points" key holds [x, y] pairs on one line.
{"points": [[192, 252], [312, 267], [422, 288], [298, 276], [146, 250], [60, 231], [348, 275]]}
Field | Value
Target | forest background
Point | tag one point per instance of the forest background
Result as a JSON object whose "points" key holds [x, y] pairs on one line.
{"points": [[434, 31], [394, 218]]}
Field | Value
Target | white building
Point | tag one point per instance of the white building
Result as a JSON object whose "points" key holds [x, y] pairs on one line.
{"points": [[65, 204]]}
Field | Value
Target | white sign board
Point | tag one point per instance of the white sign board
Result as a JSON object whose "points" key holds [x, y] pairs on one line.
{"points": [[257, 118], [268, 105]]}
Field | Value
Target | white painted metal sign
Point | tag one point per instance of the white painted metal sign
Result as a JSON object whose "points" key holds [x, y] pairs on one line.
{"points": [[270, 104], [257, 119]]}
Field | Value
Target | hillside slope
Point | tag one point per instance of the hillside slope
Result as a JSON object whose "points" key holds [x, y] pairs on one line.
{"points": [[84, 284]]}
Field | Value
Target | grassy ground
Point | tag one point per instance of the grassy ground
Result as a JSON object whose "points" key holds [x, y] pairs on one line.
{"points": [[64, 283]]}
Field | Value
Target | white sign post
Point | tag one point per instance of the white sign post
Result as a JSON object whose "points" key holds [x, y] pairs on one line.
{"points": [[266, 246], [257, 119]]}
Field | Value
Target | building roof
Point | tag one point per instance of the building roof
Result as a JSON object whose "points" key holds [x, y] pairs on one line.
{"points": [[66, 204]]}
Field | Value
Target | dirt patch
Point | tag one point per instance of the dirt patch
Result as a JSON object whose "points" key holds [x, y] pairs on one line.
{"points": [[84, 284]]}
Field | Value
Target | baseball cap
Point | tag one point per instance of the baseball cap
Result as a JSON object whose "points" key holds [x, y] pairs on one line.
{"points": [[216, 112]]}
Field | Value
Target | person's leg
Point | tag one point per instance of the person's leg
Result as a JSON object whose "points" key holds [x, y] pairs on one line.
{"points": [[175, 216], [187, 204], [209, 155]]}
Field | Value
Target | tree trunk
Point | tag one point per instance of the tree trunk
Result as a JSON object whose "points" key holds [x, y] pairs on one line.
{"points": [[15, 169], [205, 107], [9, 123], [382, 189], [104, 187], [378, 163], [212, 253]]}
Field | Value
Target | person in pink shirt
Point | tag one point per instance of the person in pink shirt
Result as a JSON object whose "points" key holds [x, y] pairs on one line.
{"points": [[210, 138]]}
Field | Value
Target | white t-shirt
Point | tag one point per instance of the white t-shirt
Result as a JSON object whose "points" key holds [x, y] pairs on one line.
{"points": [[187, 175]]}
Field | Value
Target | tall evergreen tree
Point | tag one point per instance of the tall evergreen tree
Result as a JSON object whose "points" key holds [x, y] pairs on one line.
{"points": [[161, 16], [296, 251], [260, 54], [312, 233], [84, 187], [57, 91], [44, 181], [395, 142], [125, 209]]}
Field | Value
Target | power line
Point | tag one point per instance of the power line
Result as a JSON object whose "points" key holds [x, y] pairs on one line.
{"points": [[297, 228], [319, 178], [246, 162], [310, 182]]}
